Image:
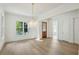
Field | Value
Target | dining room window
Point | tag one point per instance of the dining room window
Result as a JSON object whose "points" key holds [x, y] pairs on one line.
{"points": [[21, 27]]}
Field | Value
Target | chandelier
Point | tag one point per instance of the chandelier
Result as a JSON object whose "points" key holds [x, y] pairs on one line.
{"points": [[33, 22], [33, 10]]}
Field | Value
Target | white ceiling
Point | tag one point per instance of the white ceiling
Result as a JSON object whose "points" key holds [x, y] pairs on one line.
{"points": [[20, 8], [26, 8], [41, 8], [36, 10]]}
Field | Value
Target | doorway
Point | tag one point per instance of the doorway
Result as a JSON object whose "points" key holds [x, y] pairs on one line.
{"points": [[55, 29], [44, 29]]}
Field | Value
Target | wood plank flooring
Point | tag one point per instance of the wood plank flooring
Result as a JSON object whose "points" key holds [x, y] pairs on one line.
{"points": [[78, 49], [35, 47]]}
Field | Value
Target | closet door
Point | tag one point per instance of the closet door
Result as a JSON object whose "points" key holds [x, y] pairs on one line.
{"points": [[2, 27], [55, 29], [76, 30], [65, 30]]}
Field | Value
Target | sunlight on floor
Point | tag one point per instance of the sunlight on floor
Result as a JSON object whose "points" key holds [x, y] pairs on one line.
{"points": [[38, 39]]}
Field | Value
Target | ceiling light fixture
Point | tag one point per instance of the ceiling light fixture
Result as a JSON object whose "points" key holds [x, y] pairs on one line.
{"points": [[33, 10]]}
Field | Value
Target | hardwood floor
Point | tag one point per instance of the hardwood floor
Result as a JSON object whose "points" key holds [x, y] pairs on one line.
{"points": [[78, 49], [45, 47]]}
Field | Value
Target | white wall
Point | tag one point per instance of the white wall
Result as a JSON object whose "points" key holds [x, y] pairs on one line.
{"points": [[49, 28], [65, 26], [11, 27], [2, 28]]}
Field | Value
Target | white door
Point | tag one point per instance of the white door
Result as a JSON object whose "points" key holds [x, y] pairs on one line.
{"points": [[66, 30], [76, 30], [2, 28], [55, 29]]}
